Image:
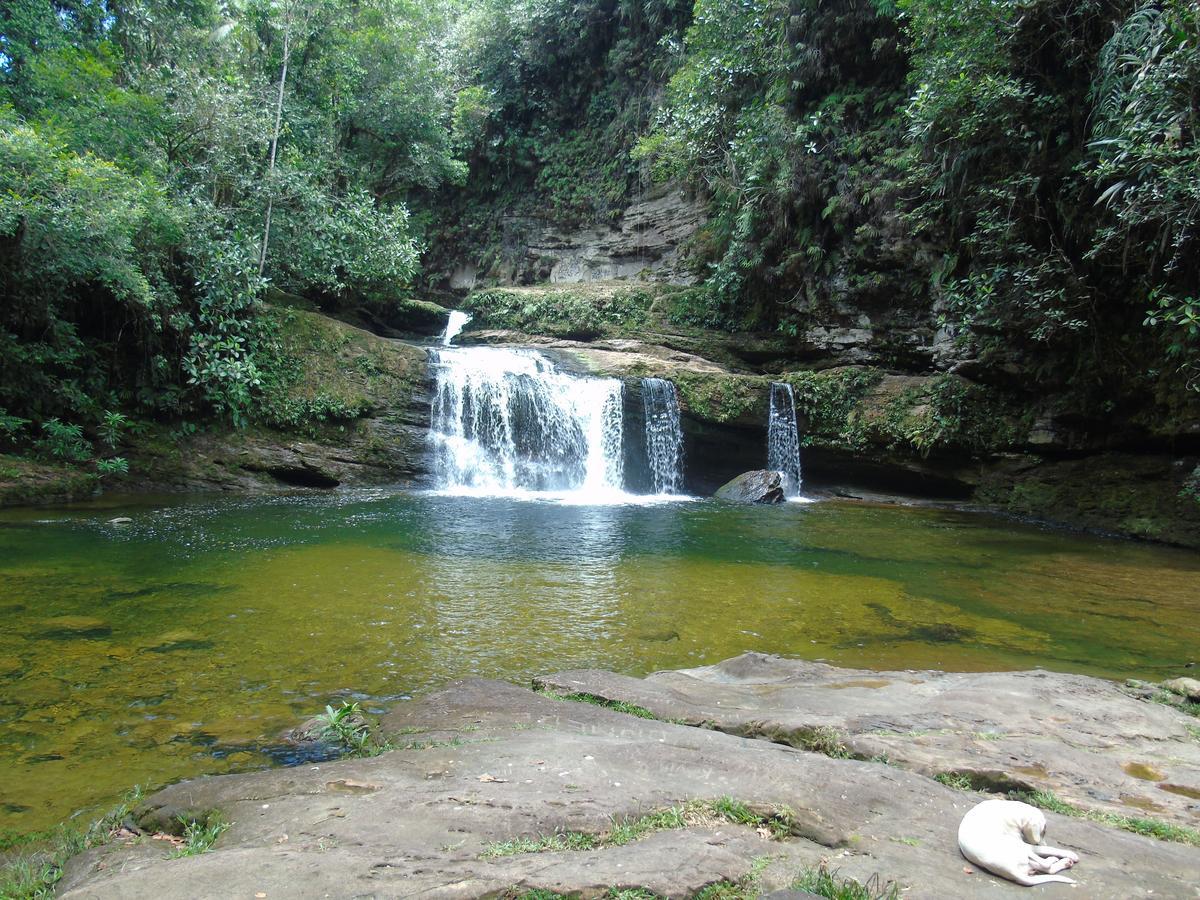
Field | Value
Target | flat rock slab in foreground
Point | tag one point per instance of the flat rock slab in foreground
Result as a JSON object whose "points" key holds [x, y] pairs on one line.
{"points": [[1082, 738], [492, 762]]}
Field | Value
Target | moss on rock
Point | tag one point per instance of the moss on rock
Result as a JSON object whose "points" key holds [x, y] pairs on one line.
{"points": [[325, 372], [26, 481], [576, 311], [724, 399]]}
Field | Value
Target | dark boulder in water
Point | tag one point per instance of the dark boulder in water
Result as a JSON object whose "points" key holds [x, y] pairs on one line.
{"points": [[759, 486]]}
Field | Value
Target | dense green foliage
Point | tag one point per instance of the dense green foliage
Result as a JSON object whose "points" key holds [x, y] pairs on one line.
{"points": [[160, 163], [553, 95], [1027, 169], [1023, 173]]}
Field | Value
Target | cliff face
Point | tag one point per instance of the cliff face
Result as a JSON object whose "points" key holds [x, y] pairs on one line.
{"points": [[646, 241]]}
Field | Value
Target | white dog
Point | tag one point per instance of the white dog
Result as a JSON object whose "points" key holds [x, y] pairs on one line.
{"points": [[1005, 837]]}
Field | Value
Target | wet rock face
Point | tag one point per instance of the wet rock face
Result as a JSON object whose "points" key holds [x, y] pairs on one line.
{"points": [[491, 772], [759, 486]]}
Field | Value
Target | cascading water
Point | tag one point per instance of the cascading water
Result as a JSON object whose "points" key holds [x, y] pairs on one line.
{"points": [[664, 436], [455, 324], [508, 421], [783, 438]]}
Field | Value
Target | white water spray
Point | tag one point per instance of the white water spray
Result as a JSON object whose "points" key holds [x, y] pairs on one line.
{"points": [[509, 421], [664, 435], [454, 325], [783, 438]]}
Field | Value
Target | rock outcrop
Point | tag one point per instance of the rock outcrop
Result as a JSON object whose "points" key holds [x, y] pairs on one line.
{"points": [[489, 774], [758, 486], [647, 240], [1081, 738]]}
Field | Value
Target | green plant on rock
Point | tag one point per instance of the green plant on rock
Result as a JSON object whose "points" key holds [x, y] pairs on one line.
{"points": [[199, 834], [825, 882], [347, 726], [33, 874]]}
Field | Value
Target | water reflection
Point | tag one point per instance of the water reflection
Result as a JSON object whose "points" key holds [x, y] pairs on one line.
{"points": [[186, 640]]}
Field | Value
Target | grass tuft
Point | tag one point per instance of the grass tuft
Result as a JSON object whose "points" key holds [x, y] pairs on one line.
{"points": [[826, 883], [1155, 828], [199, 835], [631, 709], [32, 874], [778, 824]]}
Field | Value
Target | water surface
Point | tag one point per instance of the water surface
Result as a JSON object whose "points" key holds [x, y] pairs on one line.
{"points": [[185, 641]]}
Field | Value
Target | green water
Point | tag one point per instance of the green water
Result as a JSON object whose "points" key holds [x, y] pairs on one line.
{"points": [[186, 641]]}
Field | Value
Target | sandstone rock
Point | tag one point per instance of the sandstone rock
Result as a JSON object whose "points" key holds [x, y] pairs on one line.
{"points": [[759, 486], [1082, 738], [422, 820]]}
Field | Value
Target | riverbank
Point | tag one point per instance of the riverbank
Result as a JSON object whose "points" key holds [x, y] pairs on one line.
{"points": [[495, 790]]}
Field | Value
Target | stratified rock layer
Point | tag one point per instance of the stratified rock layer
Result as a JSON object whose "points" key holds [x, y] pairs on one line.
{"points": [[489, 762], [1082, 738]]}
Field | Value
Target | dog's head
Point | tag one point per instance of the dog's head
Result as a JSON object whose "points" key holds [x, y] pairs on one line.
{"points": [[1034, 827]]}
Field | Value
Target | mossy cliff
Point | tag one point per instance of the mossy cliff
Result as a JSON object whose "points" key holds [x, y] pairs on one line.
{"points": [[340, 406]]}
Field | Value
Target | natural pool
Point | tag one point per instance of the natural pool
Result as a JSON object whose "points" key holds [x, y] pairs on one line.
{"points": [[185, 641]]}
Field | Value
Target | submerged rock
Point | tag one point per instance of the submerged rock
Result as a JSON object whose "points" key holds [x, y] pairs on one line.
{"points": [[759, 486]]}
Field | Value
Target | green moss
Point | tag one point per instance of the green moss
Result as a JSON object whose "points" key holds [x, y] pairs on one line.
{"points": [[830, 403], [578, 311], [853, 407], [322, 372], [27, 481], [723, 399]]}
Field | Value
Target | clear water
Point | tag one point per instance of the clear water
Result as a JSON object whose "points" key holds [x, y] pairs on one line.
{"points": [[186, 641]]}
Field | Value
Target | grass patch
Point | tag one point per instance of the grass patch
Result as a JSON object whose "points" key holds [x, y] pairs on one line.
{"points": [[828, 883], [956, 780], [1155, 828], [777, 824], [200, 835], [825, 740], [631, 709], [32, 875], [1181, 703]]}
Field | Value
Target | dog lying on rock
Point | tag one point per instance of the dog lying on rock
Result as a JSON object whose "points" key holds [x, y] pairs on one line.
{"points": [[1005, 837]]}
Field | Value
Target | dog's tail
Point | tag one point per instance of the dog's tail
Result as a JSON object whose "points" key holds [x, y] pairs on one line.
{"points": [[1029, 880]]}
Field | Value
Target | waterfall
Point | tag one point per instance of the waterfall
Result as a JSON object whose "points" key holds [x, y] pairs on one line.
{"points": [[783, 437], [664, 435], [457, 321], [509, 421]]}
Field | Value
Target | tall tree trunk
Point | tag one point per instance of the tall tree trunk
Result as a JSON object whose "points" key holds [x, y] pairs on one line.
{"points": [[266, 238]]}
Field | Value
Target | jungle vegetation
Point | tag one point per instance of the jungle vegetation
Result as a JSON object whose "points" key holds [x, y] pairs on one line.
{"points": [[1029, 170]]}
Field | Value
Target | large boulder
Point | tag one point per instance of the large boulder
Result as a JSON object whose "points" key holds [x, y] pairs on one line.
{"points": [[759, 486]]}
